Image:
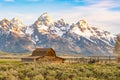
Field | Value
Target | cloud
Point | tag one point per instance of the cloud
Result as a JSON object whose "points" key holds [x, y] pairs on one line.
{"points": [[9, 0], [98, 15]]}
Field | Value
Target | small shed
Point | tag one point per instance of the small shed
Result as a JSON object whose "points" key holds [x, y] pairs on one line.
{"points": [[43, 55]]}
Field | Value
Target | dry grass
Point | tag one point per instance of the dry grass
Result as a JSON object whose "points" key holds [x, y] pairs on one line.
{"points": [[16, 70]]}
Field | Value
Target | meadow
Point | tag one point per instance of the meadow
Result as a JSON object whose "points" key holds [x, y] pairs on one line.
{"points": [[16, 70]]}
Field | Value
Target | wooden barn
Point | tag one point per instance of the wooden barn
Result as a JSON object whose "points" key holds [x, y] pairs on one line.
{"points": [[43, 55]]}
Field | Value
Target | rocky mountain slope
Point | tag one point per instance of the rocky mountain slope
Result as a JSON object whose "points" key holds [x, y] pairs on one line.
{"points": [[13, 37], [77, 38]]}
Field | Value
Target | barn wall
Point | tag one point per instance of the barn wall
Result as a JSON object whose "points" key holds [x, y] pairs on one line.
{"points": [[50, 53], [27, 60], [51, 59], [118, 59]]}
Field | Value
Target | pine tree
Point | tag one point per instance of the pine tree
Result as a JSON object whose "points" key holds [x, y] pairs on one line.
{"points": [[117, 46]]}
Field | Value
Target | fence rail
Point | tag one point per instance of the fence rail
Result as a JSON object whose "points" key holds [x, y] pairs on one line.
{"points": [[91, 59]]}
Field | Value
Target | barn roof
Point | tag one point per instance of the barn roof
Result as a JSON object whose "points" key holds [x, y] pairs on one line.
{"points": [[43, 52], [32, 57]]}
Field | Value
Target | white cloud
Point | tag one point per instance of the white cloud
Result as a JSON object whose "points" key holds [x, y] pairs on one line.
{"points": [[98, 15], [9, 0]]}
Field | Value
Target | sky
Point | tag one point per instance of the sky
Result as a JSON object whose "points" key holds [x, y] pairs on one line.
{"points": [[104, 14]]}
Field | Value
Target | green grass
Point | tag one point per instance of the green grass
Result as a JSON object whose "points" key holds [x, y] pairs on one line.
{"points": [[16, 70], [10, 61]]}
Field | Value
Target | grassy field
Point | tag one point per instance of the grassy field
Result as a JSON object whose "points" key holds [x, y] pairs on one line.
{"points": [[16, 70], [10, 61]]}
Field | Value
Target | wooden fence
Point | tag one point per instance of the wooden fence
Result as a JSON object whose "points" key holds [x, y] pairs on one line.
{"points": [[91, 59]]}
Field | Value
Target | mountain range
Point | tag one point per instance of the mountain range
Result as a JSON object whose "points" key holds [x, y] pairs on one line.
{"points": [[76, 38]]}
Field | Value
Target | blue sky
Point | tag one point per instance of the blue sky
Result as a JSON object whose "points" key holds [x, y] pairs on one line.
{"points": [[104, 14]]}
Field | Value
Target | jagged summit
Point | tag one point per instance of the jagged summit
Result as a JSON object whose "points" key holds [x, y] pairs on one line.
{"points": [[61, 22], [14, 26], [81, 28], [45, 14], [4, 21], [83, 25], [16, 21], [44, 19]]}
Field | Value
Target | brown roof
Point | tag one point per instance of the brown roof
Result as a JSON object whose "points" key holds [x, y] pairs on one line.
{"points": [[43, 52], [32, 57], [60, 58]]}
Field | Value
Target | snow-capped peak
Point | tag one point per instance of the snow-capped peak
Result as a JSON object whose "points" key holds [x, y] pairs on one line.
{"points": [[16, 21], [61, 21], [5, 24], [83, 25], [44, 17], [4, 21], [44, 14], [81, 28], [17, 26]]}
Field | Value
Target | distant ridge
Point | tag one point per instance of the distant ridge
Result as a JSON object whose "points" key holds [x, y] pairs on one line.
{"points": [[76, 38]]}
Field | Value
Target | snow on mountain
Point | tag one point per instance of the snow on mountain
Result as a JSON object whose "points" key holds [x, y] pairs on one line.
{"points": [[45, 26], [105, 36], [82, 28], [15, 25], [29, 30], [59, 28], [13, 38], [5, 24], [41, 24], [18, 23], [18, 26], [78, 38], [44, 19]]}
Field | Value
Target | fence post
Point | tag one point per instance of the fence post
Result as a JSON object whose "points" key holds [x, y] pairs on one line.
{"points": [[109, 59]]}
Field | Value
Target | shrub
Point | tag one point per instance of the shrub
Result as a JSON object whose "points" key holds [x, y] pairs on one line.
{"points": [[38, 77], [44, 71]]}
